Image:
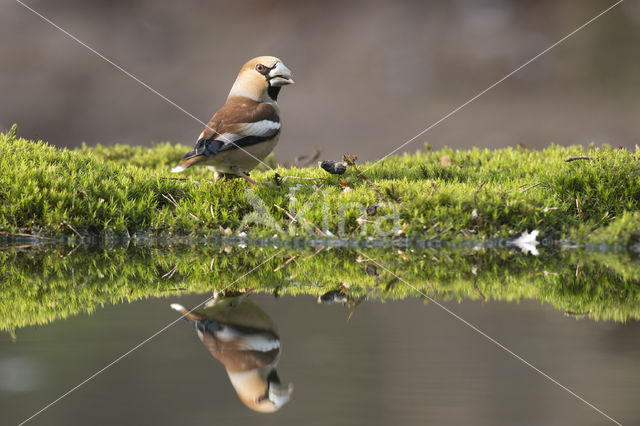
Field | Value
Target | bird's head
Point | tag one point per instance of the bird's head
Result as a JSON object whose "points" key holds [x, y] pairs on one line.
{"points": [[260, 389], [261, 79]]}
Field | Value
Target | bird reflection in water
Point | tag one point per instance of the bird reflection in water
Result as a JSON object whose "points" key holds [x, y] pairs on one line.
{"points": [[245, 340]]}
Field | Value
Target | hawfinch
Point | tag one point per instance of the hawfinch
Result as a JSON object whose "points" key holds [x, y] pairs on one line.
{"points": [[246, 129], [245, 340]]}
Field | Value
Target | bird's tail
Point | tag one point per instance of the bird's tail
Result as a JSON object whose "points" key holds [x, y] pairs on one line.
{"points": [[187, 315], [185, 164]]}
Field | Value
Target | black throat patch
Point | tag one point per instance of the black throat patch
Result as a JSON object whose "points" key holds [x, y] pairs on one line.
{"points": [[273, 92]]}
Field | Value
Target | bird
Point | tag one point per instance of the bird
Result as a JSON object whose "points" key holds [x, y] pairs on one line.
{"points": [[240, 335], [247, 127]]}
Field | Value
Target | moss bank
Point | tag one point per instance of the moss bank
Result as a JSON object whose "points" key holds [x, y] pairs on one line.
{"points": [[471, 194], [37, 286]]}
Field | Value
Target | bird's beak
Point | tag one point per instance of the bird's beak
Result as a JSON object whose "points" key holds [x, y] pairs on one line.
{"points": [[280, 75], [279, 394]]}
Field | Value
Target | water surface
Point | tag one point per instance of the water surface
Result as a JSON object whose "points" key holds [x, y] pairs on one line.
{"points": [[385, 355]]}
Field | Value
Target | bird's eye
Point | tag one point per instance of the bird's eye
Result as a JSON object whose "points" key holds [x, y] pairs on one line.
{"points": [[259, 67]]}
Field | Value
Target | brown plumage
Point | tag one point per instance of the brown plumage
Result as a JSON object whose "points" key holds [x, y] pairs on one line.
{"points": [[245, 340], [238, 110], [246, 129]]}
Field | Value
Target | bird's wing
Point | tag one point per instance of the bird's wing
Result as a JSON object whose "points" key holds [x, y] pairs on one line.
{"points": [[239, 349], [240, 122]]}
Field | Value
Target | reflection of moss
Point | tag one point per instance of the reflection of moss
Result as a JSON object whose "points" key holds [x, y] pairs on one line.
{"points": [[472, 192], [37, 287]]}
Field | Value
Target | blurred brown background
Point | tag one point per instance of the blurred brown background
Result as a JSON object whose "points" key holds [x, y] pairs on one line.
{"points": [[370, 75]]}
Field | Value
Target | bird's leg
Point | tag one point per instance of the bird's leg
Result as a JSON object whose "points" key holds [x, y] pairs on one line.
{"points": [[243, 296], [248, 179], [239, 172], [224, 176]]}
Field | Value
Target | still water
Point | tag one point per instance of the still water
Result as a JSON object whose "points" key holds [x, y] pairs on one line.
{"points": [[366, 359]]}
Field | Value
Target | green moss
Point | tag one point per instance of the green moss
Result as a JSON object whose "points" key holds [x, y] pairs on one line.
{"points": [[39, 286], [480, 193]]}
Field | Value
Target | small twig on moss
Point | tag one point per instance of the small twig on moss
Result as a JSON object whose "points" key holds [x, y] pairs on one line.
{"points": [[179, 289], [356, 230], [16, 247], [72, 228], [293, 219], [482, 184], [175, 203], [284, 178], [602, 219], [578, 207], [171, 199], [318, 250], [171, 272], [17, 234], [475, 285], [170, 178], [580, 157], [447, 230], [355, 303], [434, 186], [175, 178], [71, 252], [475, 194], [373, 185], [391, 192], [531, 187], [285, 263], [318, 230]]}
